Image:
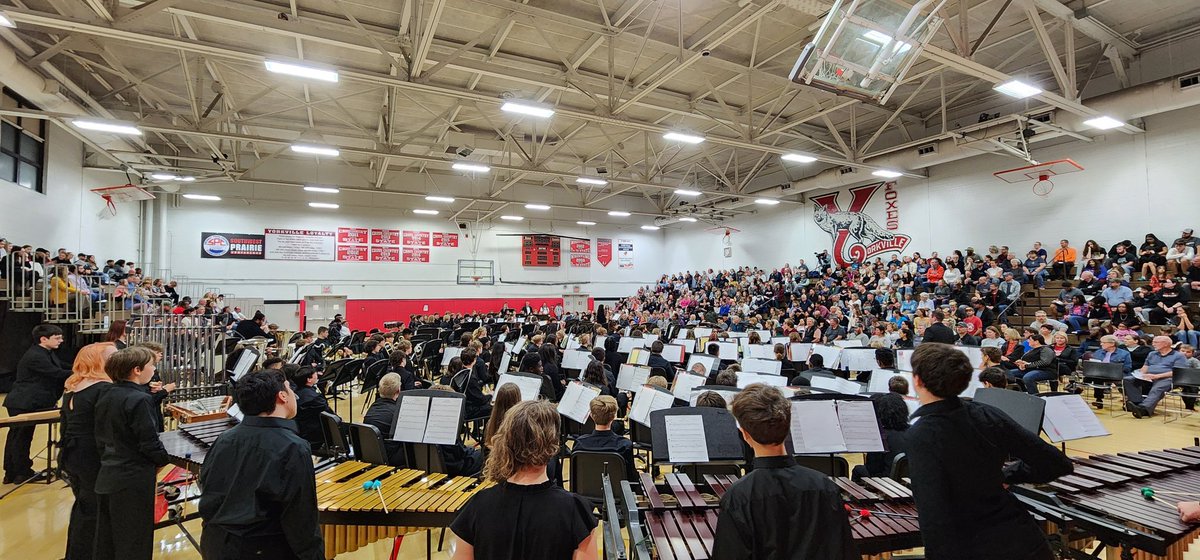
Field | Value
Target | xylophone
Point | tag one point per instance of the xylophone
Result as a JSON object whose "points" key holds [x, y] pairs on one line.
{"points": [[188, 445], [680, 516], [200, 410], [354, 511], [1107, 497]]}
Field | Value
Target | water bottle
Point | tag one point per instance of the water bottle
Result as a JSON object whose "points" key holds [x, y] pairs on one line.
{"points": [[107, 321]]}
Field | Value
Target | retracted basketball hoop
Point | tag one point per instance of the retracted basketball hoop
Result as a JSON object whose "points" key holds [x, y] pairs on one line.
{"points": [[1042, 174], [121, 193]]}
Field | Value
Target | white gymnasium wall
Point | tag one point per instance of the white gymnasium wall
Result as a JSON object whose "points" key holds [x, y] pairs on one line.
{"points": [[289, 280], [68, 215], [1132, 184]]}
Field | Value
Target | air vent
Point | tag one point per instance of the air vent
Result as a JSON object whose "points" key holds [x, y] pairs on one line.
{"points": [[1190, 81], [1045, 117], [927, 149], [846, 170]]}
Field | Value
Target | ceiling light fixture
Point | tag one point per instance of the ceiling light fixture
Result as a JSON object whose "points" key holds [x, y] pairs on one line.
{"points": [[526, 108], [683, 137], [618, 213], [590, 181], [425, 212], [585, 223], [201, 197], [473, 167], [1018, 89], [302, 71], [887, 173], [687, 219], [163, 176], [1104, 123], [536, 207], [512, 218], [798, 158], [766, 201], [325, 205], [327, 190], [432, 198], [101, 126], [5, 22], [650, 228], [188, 179], [316, 150], [686, 192]]}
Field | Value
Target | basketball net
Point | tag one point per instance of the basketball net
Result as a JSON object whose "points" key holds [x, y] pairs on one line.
{"points": [[120, 193]]}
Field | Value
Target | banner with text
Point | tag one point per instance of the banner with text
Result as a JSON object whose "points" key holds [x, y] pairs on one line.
{"points": [[416, 255], [300, 245], [416, 238], [445, 239], [581, 253], [624, 253], [218, 245], [603, 251], [352, 253]]}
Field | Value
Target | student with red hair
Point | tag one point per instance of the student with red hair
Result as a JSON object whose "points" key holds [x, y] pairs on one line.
{"points": [[80, 458]]}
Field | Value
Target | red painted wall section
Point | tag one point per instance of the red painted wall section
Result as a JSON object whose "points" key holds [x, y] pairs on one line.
{"points": [[366, 314]]}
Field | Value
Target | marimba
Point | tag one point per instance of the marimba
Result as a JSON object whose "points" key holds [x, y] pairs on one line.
{"points": [[1106, 498], [188, 445], [352, 515], [890, 524]]}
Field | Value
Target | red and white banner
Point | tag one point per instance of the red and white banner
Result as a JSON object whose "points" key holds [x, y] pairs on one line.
{"points": [[352, 253], [445, 239], [581, 246], [416, 238], [351, 236], [416, 255], [604, 250], [581, 260], [385, 236], [385, 254]]}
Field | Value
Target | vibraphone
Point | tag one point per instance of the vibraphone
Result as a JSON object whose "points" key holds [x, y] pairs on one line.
{"points": [[353, 513], [680, 515], [1106, 497], [188, 445]]}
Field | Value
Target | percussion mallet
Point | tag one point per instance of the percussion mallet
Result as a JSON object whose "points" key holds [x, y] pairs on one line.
{"points": [[378, 486], [1150, 493]]}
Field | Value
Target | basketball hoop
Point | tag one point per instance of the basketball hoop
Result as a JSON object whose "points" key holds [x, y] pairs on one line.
{"points": [[1043, 186], [121, 193], [475, 279], [1041, 174]]}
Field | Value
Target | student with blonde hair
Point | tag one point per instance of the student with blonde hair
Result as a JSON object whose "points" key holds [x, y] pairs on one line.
{"points": [[603, 410], [525, 515]]}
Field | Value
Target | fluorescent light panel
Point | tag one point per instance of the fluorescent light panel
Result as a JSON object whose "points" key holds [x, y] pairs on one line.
{"points": [[585, 223], [530, 109], [536, 207], [101, 126], [432, 198], [650, 228], [1104, 123], [325, 205], [1018, 89], [302, 71], [683, 137], [316, 150], [686, 192], [5, 22], [888, 173], [687, 219], [201, 197], [512, 218], [590, 181], [766, 201], [163, 176], [798, 158], [474, 167], [426, 212], [320, 189], [618, 213]]}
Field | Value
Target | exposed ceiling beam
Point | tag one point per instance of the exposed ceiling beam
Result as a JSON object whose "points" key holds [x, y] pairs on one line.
{"points": [[1090, 26]]}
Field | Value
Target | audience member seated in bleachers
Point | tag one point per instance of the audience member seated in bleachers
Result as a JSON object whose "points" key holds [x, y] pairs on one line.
{"points": [[603, 410], [1036, 365], [892, 415], [310, 403], [1169, 302], [1179, 258], [1040, 318]]}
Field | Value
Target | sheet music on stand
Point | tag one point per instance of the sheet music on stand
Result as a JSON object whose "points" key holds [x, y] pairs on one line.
{"points": [[780, 340], [974, 354], [974, 385], [530, 386], [505, 362], [628, 343], [799, 351], [880, 378], [673, 442], [648, 400], [848, 343], [686, 442], [859, 359], [748, 378], [246, 360], [576, 401], [831, 354], [756, 365], [685, 382], [235, 412], [688, 344], [727, 350], [710, 362], [760, 351], [298, 354], [517, 345], [576, 359], [702, 332], [1069, 418], [428, 419], [673, 353], [904, 359], [836, 384], [450, 353], [834, 427], [632, 377]]}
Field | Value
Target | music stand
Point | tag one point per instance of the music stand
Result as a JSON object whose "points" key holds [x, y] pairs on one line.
{"points": [[1027, 410], [410, 441], [722, 439]]}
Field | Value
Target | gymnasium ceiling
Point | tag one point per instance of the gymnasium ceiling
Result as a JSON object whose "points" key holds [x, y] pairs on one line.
{"points": [[423, 78]]}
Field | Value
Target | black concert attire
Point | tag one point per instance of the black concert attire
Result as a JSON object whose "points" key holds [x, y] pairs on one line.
{"points": [[310, 403], [80, 462], [39, 383], [520, 522], [957, 452], [249, 329], [606, 440], [478, 405], [657, 360], [937, 332], [782, 510], [260, 496], [130, 455], [382, 415]]}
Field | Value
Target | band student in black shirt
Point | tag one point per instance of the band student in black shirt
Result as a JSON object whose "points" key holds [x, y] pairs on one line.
{"points": [[310, 402], [465, 381], [130, 455], [525, 516], [780, 510], [79, 458], [260, 495], [39, 383], [957, 454]]}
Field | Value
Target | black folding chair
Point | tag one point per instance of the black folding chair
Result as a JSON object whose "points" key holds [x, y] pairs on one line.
{"points": [[587, 468], [1185, 384], [370, 380], [832, 465], [1100, 377], [336, 443], [367, 444], [899, 467]]}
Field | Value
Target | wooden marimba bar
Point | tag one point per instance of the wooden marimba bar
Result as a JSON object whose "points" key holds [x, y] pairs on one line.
{"points": [[187, 446], [878, 535], [407, 501], [1112, 487]]}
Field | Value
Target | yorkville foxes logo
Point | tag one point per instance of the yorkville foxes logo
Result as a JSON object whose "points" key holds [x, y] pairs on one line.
{"points": [[869, 238]]}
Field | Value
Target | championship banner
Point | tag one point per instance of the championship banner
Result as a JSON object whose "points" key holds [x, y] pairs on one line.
{"points": [[385, 254], [624, 253], [416, 255], [445, 239], [416, 238], [300, 245], [352, 236], [385, 236], [603, 251], [352, 253], [216, 245], [581, 260], [581, 253]]}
